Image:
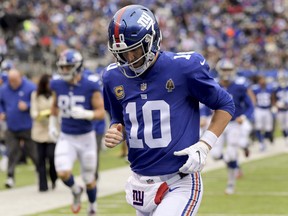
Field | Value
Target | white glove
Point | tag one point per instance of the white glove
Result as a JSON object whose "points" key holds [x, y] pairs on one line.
{"points": [[53, 130], [197, 154], [78, 112]]}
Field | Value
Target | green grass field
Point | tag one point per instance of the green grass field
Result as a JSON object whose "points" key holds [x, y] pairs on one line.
{"points": [[25, 174], [263, 191]]}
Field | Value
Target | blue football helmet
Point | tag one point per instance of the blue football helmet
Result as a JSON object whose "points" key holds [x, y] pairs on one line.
{"points": [[133, 27], [6, 65], [69, 64], [282, 78], [226, 69]]}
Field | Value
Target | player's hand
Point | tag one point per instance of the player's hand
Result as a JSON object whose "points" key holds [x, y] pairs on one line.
{"points": [[78, 112], [197, 154], [240, 119], [114, 136]]}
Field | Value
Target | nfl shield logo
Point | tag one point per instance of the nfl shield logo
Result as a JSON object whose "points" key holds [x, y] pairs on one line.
{"points": [[143, 86]]}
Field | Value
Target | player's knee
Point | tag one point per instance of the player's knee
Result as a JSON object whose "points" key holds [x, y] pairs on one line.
{"points": [[64, 175], [88, 177], [88, 173]]}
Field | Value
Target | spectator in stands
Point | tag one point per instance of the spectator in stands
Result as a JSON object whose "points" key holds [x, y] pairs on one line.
{"points": [[15, 105], [253, 31], [41, 102]]}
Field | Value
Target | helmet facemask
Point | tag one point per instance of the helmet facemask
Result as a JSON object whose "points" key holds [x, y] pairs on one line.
{"points": [[227, 75], [148, 55], [226, 70], [71, 72], [69, 64]]}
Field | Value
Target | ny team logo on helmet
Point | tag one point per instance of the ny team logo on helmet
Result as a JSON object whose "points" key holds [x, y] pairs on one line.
{"points": [[71, 59], [133, 27]]}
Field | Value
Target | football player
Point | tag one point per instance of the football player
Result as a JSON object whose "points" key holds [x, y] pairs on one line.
{"points": [[154, 96], [236, 134], [263, 116], [281, 94], [78, 101]]}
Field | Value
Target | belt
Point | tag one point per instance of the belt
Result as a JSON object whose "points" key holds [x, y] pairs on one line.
{"points": [[169, 179]]}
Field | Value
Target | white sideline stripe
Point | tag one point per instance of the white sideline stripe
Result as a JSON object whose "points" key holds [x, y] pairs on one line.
{"points": [[276, 194], [214, 214], [27, 200]]}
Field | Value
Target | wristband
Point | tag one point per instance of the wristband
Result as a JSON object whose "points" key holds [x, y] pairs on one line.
{"points": [[209, 137], [89, 114], [53, 121]]}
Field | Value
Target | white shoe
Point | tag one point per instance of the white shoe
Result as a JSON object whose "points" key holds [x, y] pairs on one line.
{"points": [[4, 164], [229, 190], [9, 182], [262, 148], [91, 210], [76, 205]]}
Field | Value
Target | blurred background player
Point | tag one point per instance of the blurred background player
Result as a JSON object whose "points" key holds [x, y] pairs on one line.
{"points": [[6, 65], [263, 116], [78, 100], [236, 134], [281, 94], [41, 102]]}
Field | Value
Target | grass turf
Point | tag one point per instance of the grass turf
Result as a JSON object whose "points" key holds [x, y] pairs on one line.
{"points": [[26, 175], [263, 191]]}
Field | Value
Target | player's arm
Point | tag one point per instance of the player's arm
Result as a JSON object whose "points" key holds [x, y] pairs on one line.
{"points": [[53, 119], [54, 107], [252, 96], [219, 121], [98, 106]]}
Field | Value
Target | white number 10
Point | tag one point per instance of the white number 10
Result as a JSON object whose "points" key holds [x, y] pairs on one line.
{"points": [[147, 109]]}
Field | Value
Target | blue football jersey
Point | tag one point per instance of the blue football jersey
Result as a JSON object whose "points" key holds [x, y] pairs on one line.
{"points": [[160, 109], [205, 111], [282, 97], [263, 96], [98, 125], [68, 96], [242, 101]]}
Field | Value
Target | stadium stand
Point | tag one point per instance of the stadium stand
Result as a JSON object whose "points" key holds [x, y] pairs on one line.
{"points": [[254, 33]]}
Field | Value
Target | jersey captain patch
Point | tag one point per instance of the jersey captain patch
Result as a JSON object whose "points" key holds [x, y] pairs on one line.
{"points": [[119, 92]]}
